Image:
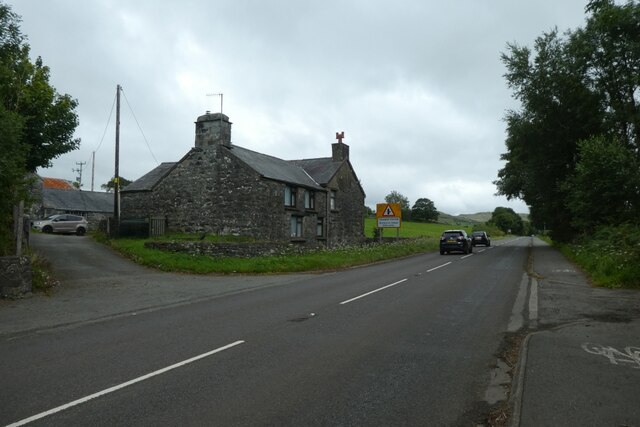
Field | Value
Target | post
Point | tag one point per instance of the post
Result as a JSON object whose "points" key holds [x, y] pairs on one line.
{"points": [[19, 224], [93, 168], [116, 175]]}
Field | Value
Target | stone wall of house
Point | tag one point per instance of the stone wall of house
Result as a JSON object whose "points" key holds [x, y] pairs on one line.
{"points": [[211, 191], [346, 223]]}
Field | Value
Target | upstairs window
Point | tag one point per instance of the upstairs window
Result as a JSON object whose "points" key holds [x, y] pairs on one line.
{"points": [[289, 196], [309, 199], [333, 204]]}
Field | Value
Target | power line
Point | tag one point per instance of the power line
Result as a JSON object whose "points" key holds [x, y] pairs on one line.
{"points": [[136, 119]]}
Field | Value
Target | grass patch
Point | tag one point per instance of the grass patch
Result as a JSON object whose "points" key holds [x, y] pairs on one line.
{"points": [[610, 256], [321, 260]]}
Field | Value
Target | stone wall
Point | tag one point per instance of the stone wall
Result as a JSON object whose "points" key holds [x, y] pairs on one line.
{"points": [[15, 276], [240, 250], [347, 220]]}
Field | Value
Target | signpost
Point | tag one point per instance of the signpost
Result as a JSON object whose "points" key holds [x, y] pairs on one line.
{"points": [[389, 215]]}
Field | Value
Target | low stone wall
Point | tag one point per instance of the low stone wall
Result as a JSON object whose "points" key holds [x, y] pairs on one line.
{"points": [[238, 250], [15, 276]]}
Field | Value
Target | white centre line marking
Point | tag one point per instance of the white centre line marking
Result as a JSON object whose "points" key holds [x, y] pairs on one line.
{"points": [[440, 266], [373, 292], [466, 256], [123, 385]]}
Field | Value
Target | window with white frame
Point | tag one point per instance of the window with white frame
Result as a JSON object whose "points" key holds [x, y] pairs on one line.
{"points": [[289, 196], [333, 204], [296, 226], [309, 199]]}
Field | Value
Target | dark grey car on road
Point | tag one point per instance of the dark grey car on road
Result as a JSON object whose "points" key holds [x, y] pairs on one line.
{"points": [[455, 241], [480, 238]]}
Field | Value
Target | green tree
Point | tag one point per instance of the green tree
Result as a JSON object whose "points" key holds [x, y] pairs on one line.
{"points": [[575, 87], [507, 220], [37, 122], [424, 210], [557, 111], [108, 187], [604, 188], [397, 197]]}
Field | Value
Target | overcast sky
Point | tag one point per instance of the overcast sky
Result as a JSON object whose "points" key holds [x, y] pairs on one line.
{"points": [[417, 86]]}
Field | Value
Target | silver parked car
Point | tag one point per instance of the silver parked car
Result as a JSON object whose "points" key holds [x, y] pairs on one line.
{"points": [[63, 223]]}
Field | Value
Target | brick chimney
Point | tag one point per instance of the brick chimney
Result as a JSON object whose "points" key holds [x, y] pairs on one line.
{"points": [[213, 129]]}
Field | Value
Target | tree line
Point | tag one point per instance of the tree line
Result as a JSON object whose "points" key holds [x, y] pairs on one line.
{"points": [[573, 145], [37, 122]]}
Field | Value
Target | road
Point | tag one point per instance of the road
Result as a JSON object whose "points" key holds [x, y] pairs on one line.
{"points": [[408, 342]]}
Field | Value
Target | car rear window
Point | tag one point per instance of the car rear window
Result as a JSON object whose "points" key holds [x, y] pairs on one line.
{"points": [[452, 234]]}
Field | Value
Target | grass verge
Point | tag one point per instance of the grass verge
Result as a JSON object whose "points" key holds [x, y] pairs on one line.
{"points": [[610, 256], [321, 260]]}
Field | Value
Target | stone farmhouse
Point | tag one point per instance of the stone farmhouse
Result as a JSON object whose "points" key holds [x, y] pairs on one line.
{"points": [[223, 189]]}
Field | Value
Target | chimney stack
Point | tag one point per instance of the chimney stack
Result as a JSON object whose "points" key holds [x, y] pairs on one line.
{"points": [[212, 129]]}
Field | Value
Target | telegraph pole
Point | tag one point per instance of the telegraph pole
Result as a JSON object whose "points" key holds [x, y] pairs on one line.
{"points": [[93, 168], [116, 175], [79, 170]]}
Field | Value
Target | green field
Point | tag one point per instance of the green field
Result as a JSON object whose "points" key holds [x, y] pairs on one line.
{"points": [[413, 229]]}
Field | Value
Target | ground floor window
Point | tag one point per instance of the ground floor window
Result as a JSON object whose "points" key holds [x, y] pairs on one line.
{"points": [[296, 226], [320, 227]]}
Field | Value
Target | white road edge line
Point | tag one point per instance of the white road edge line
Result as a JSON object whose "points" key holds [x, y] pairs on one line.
{"points": [[373, 292], [440, 266], [123, 385]]}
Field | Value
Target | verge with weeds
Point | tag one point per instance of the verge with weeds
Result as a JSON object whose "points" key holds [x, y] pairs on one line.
{"points": [[611, 256], [319, 260]]}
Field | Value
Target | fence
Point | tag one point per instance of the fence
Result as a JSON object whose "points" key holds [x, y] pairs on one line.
{"points": [[138, 227]]}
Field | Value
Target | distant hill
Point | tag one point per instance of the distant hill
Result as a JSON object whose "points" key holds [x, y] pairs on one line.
{"points": [[470, 219]]}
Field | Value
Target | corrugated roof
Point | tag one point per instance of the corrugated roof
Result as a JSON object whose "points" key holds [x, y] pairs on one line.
{"points": [[274, 168], [81, 201], [57, 183], [321, 170], [148, 181]]}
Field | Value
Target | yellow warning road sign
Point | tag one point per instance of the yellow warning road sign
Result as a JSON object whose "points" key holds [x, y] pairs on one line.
{"points": [[388, 215]]}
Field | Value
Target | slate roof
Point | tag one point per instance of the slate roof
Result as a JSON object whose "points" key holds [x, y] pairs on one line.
{"points": [[274, 168], [321, 170], [82, 201], [149, 180], [309, 173]]}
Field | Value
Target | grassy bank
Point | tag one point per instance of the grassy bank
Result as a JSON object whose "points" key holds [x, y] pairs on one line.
{"points": [[611, 256]]}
